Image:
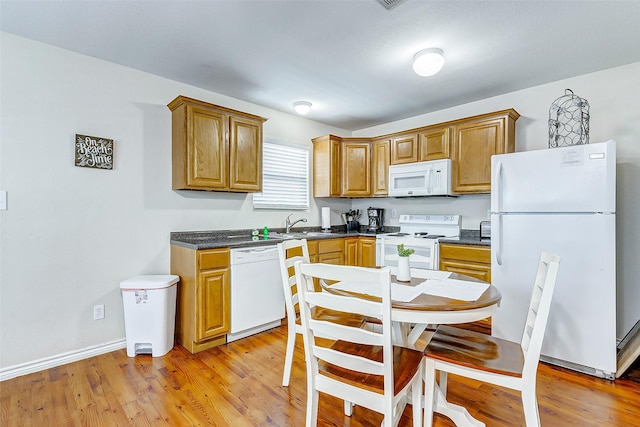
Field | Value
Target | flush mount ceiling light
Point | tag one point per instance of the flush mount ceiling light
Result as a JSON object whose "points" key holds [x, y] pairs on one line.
{"points": [[302, 107], [428, 62]]}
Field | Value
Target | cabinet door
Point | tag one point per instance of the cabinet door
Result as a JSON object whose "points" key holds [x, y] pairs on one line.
{"points": [[351, 251], [245, 154], [327, 166], [474, 144], [380, 167], [212, 304], [434, 144], [356, 167], [312, 245], [367, 252], [206, 153], [404, 149]]}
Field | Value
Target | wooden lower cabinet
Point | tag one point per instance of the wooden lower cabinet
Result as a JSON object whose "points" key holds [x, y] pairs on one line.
{"points": [[360, 251], [470, 260], [202, 312], [351, 250], [331, 251], [367, 252]]}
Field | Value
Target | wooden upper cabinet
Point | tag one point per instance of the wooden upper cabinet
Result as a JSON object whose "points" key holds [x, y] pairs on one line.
{"points": [[327, 166], [434, 144], [215, 148], [245, 154], [380, 160], [359, 167], [356, 167], [404, 149], [474, 142]]}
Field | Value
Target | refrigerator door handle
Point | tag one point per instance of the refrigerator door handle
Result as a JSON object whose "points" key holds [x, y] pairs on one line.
{"points": [[496, 192], [499, 240]]}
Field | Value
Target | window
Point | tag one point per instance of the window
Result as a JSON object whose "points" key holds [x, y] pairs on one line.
{"points": [[285, 178]]}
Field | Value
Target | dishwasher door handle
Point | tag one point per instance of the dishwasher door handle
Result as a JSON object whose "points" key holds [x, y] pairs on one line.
{"points": [[254, 254]]}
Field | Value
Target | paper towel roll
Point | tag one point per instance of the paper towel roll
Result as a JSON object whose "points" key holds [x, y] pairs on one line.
{"points": [[326, 218]]}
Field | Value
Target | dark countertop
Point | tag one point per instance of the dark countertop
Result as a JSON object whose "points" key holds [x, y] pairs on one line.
{"points": [[468, 237], [243, 239]]}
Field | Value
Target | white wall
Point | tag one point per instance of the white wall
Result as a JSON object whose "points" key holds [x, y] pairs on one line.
{"points": [[72, 234], [614, 99]]}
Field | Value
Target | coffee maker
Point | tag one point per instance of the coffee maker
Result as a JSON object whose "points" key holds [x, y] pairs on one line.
{"points": [[376, 219]]}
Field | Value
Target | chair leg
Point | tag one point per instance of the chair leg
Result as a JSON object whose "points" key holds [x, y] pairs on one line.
{"points": [[312, 406], [416, 396], [429, 390], [530, 405], [348, 408], [288, 359]]}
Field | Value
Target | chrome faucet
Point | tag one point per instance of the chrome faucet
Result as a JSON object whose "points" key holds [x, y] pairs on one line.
{"points": [[291, 224]]}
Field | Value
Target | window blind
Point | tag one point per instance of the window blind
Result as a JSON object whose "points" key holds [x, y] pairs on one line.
{"points": [[285, 178]]}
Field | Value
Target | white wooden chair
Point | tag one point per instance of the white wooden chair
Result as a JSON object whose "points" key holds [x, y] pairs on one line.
{"points": [[362, 366], [289, 252], [494, 360]]}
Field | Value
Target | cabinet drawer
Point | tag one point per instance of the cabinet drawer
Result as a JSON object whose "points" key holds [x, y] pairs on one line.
{"points": [[331, 245], [213, 258], [481, 254]]}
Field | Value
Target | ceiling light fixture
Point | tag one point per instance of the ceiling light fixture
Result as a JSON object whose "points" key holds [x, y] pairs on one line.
{"points": [[428, 62], [302, 107]]}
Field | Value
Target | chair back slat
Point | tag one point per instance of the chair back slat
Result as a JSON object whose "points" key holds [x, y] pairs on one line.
{"points": [[350, 361], [345, 304], [356, 335], [538, 313]]}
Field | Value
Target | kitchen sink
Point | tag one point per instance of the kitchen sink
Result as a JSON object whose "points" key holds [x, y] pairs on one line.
{"points": [[300, 235]]}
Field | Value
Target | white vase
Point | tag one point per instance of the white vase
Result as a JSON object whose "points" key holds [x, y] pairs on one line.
{"points": [[403, 274]]}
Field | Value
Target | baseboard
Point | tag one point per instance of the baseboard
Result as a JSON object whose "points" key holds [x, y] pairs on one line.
{"points": [[60, 359]]}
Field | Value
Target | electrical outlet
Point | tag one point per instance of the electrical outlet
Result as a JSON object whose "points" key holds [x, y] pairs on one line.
{"points": [[394, 213], [98, 312]]}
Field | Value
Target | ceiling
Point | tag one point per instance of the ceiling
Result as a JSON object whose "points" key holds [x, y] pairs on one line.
{"points": [[351, 59]]}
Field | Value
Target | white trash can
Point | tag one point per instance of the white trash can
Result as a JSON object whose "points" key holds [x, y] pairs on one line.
{"points": [[149, 313]]}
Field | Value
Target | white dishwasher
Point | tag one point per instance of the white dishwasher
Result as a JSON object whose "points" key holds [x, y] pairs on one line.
{"points": [[257, 296]]}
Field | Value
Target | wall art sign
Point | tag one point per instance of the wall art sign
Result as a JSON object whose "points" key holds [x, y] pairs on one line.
{"points": [[94, 152]]}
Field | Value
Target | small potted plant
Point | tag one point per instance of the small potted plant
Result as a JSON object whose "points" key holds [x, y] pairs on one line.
{"points": [[403, 274]]}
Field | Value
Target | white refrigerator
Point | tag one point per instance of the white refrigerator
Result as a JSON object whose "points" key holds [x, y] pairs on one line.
{"points": [[563, 201]]}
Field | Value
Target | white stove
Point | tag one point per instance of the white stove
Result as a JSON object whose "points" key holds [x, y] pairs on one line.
{"points": [[420, 232]]}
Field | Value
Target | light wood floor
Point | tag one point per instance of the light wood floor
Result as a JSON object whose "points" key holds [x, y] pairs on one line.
{"points": [[238, 384]]}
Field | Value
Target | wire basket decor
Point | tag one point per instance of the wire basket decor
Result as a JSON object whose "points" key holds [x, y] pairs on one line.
{"points": [[568, 121]]}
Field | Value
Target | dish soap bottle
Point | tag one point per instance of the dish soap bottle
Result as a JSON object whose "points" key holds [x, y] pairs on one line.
{"points": [[265, 232]]}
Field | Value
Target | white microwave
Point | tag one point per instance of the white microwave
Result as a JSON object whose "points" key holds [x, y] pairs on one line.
{"points": [[431, 178]]}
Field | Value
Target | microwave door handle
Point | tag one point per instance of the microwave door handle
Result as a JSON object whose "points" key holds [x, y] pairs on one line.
{"points": [[430, 181]]}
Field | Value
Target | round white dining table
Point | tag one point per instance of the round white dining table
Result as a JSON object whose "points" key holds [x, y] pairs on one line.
{"points": [[413, 317]]}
